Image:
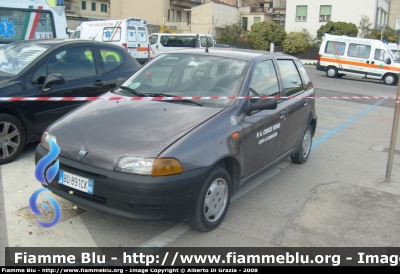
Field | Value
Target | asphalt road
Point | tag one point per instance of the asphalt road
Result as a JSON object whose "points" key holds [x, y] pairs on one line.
{"points": [[339, 198]]}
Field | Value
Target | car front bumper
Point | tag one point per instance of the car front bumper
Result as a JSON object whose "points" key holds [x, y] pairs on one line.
{"points": [[132, 196]]}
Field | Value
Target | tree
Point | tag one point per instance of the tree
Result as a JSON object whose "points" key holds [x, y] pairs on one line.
{"points": [[364, 26], [338, 28], [295, 42], [388, 34], [231, 34], [264, 33], [312, 40]]}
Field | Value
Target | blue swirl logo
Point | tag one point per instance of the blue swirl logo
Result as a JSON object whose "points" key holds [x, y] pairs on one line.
{"points": [[45, 177]]}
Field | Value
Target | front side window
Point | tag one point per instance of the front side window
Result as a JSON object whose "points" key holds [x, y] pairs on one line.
{"points": [[72, 63], [264, 80], [380, 55], [336, 48], [189, 76], [290, 77], [112, 34], [301, 13], [325, 13], [359, 51]]}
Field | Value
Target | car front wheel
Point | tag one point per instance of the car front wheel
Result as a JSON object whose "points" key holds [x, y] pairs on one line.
{"points": [[213, 201], [12, 138], [301, 156], [332, 72]]}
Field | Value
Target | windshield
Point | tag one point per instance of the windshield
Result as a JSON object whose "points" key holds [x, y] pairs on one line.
{"points": [[189, 76], [14, 58], [396, 54]]}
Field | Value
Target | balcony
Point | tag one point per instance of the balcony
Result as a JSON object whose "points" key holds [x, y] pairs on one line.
{"points": [[185, 4]]}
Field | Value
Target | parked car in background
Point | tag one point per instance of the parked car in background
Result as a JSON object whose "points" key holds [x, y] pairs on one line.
{"points": [[210, 120], [52, 68]]}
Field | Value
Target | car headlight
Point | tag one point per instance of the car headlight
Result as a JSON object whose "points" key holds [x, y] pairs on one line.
{"points": [[44, 141], [149, 166]]}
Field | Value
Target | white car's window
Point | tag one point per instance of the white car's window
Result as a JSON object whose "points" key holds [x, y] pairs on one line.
{"points": [[13, 59]]}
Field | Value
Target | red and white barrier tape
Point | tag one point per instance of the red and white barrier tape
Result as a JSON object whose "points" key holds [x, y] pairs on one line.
{"points": [[177, 98]]}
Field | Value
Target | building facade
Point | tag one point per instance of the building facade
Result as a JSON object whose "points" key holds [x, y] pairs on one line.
{"points": [[311, 14], [394, 13], [83, 10]]}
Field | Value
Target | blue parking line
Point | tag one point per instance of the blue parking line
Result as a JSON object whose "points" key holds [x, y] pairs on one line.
{"points": [[329, 134]]}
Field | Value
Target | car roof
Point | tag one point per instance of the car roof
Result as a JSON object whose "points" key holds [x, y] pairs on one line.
{"points": [[245, 54], [59, 41]]}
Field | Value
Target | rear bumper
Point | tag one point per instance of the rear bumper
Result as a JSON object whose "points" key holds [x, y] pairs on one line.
{"points": [[320, 68], [132, 196]]}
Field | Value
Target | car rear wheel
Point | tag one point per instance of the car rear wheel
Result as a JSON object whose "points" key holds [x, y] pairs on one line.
{"points": [[331, 72], [301, 156], [12, 138], [213, 201], [390, 79]]}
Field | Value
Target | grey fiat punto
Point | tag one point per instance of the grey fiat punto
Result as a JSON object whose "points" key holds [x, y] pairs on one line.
{"points": [[179, 137]]}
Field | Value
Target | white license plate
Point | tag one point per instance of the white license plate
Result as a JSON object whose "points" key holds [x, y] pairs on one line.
{"points": [[77, 182]]}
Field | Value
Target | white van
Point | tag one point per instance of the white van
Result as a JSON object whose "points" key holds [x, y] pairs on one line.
{"points": [[367, 58], [130, 33], [162, 42], [27, 19], [395, 48]]}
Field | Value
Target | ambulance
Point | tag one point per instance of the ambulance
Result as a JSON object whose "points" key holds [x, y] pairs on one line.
{"points": [[361, 57], [130, 33], [32, 19]]}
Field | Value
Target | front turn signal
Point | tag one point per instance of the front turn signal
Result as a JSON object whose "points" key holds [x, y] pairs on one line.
{"points": [[166, 166]]}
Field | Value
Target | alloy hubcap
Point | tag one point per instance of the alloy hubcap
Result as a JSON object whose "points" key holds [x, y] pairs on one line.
{"points": [[10, 139]]}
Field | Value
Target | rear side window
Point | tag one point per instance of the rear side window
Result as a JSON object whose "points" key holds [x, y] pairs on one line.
{"points": [[336, 48], [111, 58], [111, 34], [359, 51], [306, 79], [290, 77]]}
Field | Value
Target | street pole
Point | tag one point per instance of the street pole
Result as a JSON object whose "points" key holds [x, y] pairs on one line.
{"points": [[394, 135]]}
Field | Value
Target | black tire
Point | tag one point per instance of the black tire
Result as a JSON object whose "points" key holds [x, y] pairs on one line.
{"points": [[12, 138], [331, 72], [215, 194], [301, 156], [390, 79]]}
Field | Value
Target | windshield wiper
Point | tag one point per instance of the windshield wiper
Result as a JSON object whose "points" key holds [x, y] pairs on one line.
{"points": [[131, 90], [174, 101]]}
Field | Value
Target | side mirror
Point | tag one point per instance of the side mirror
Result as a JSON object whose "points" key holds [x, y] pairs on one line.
{"points": [[52, 79], [388, 61], [120, 81], [260, 104]]}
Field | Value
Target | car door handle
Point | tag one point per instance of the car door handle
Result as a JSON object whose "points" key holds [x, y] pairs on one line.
{"points": [[282, 114], [99, 83]]}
